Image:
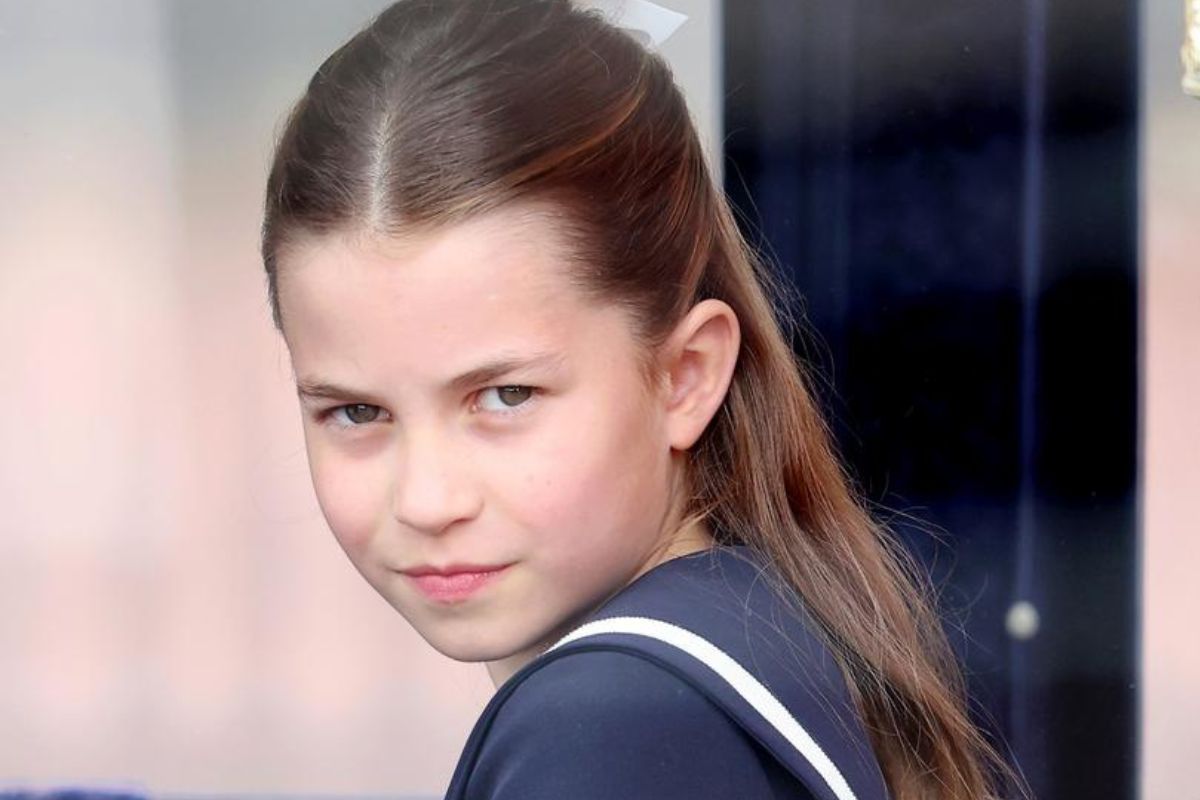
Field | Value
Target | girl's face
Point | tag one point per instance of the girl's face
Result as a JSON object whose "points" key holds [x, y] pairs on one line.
{"points": [[464, 404]]}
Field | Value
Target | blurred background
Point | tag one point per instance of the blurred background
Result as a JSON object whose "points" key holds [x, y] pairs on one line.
{"points": [[1021, 182]]}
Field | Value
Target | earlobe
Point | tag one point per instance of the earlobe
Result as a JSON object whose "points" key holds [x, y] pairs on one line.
{"points": [[703, 354]]}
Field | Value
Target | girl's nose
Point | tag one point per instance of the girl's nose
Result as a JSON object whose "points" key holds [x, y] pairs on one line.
{"points": [[433, 488]]}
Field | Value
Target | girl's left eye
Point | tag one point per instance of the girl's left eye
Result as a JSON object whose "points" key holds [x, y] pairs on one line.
{"points": [[505, 399], [357, 414]]}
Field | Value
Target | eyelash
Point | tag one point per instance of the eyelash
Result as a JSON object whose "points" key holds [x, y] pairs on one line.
{"points": [[328, 414]]}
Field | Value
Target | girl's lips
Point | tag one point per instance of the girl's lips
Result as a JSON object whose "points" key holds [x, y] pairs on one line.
{"points": [[455, 586]]}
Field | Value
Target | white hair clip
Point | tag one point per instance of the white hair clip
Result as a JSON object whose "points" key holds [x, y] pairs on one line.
{"points": [[1191, 48], [649, 23]]}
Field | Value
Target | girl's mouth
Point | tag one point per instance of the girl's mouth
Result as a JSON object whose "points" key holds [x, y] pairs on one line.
{"points": [[456, 586]]}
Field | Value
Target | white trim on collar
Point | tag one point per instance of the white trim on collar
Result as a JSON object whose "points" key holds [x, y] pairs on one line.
{"points": [[750, 688]]}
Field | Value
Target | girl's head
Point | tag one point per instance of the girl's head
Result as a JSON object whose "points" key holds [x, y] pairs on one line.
{"points": [[467, 185], [465, 403], [527, 332]]}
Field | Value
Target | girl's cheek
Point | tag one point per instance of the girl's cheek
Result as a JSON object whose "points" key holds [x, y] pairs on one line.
{"points": [[566, 474], [352, 496], [528, 481]]}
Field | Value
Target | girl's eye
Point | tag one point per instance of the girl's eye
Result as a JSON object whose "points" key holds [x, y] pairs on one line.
{"points": [[494, 399], [358, 414], [504, 399]]}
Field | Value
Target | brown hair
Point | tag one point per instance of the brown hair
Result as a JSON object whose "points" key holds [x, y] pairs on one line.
{"points": [[440, 110]]}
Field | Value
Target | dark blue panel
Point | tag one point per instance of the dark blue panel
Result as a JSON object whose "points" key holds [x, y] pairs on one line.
{"points": [[952, 188]]}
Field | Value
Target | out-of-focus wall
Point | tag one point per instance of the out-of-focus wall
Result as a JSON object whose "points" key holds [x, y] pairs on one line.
{"points": [[174, 614], [1171, 305]]}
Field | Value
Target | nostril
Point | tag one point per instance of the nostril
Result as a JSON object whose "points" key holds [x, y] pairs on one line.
{"points": [[432, 501]]}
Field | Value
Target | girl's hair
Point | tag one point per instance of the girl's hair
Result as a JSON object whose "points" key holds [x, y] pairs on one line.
{"points": [[441, 110]]}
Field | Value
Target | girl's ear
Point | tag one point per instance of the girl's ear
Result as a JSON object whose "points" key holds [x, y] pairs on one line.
{"points": [[700, 356]]}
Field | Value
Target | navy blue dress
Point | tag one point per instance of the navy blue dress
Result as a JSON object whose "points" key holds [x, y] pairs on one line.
{"points": [[695, 681]]}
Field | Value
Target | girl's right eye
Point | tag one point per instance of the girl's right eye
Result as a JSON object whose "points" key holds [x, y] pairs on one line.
{"points": [[354, 415]]}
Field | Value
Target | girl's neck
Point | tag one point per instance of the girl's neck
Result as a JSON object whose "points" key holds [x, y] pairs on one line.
{"points": [[693, 538]]}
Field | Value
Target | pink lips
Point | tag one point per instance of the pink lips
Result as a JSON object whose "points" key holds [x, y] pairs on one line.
{"points": [[454, 583]]}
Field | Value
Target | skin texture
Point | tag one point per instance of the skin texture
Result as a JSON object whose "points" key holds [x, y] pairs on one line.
{"points": [[577, 485]]}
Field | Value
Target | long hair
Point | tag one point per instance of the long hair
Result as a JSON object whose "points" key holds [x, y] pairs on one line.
{"points": [[440, 110]]}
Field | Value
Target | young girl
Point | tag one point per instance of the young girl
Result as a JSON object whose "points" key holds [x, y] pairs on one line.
{"points": [[552, 419]]}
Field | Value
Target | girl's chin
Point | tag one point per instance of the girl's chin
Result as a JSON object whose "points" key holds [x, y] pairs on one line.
{"points": [[504, 652], [468, 644]]}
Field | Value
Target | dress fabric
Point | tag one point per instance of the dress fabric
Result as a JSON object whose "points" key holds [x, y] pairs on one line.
{"points": [[621, 714]]}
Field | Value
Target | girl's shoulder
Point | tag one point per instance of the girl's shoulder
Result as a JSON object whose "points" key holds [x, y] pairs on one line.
{"points": [[602, 724], [703, 654]]}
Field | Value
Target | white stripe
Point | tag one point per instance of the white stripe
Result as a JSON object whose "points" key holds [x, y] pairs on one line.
{"points": [[745, 684]]}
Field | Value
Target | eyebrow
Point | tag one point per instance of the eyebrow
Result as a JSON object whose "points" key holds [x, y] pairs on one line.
{"points": [[489, 371]]}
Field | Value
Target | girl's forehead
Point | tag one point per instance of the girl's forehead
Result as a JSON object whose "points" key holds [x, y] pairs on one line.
{"points": [[498, 259], [438, 300]]}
